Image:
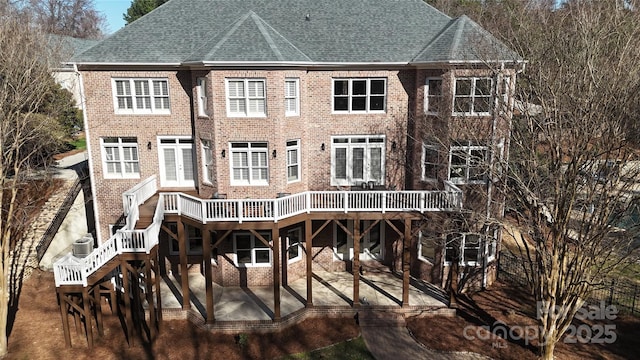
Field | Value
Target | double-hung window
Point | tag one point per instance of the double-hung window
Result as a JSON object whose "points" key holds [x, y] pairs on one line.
{"points": [[201, 92], [250, 250], [120, 157], [465, 247], [294, 244], [472, 96], [141, 96], [432, 95], [249, 165], [246, 97], [427, 245], [359, 95], [430, 162], [293, 160], [291, 97], [207, 161], [357, 159], [468, 163]]}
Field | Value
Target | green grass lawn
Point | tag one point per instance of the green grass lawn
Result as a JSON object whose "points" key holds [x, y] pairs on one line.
{"points": [[349, 350], [80, 143]]}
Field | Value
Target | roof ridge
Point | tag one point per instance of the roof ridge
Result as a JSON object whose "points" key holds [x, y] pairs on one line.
{"points": [[460, 22], [262, 25], [435, 38], [233, 27]]}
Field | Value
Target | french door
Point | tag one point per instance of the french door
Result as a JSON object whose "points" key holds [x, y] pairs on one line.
{"points": [[176, 162]]}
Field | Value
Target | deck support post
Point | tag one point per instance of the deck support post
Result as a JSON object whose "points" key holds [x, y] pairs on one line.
{"points": [[184, 276], [97, 303], [206, 250], [356, 262], [308, 235], [275, 237], [148, 285], [126, 293], [156, 270], [406, 262], [86, 303], [64, 311]]}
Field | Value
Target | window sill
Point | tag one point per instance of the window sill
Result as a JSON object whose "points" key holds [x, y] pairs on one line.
{"points": [[146, 113], [470, 114], [252, 265], [426, 261], [108, 177], [376, 112]]}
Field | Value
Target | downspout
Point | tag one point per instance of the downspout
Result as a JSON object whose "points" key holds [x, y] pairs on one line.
{"points": [[90, 158]]}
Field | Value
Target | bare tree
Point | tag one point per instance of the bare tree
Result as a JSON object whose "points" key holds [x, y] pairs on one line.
{"points": [[27, 134], [75, 18], [574, 170]]}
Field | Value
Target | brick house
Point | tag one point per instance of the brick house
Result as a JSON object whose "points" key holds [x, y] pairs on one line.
{"points": [[285, 137]]}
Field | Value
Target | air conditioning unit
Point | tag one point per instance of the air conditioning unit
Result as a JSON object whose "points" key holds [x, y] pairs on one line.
{"points": [[83, 246]]}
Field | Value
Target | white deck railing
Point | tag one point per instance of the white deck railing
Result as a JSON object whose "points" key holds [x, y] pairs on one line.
{"points": [[70, 270], [240, 210]]}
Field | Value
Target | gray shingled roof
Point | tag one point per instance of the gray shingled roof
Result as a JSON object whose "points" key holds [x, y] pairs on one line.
{"points": [[298, 31]]}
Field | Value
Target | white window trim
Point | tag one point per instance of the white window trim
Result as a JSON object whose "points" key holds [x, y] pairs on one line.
{"points": [[120, 146], [463, 261], [201, 92], [350, 181], [254, 239], [473, 96], [295, 147], [133, 95], [428, 95], [420, 257], [467, 149], [249, 150], [350, 96], [426, 147], [207, 146], [298, 245], [295, 97], [247, 112]]}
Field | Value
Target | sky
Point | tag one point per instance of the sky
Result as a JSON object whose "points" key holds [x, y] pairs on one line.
{"points": [[112, 10]]}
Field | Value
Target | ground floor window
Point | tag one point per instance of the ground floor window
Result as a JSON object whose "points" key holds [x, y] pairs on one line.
{"points": [[194, 240], [371, 243], [427, 244], [250, 250], [469, 247], [294, 245]]}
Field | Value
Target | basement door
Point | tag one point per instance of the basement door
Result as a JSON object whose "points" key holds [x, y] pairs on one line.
{"points": [[176, 162]]}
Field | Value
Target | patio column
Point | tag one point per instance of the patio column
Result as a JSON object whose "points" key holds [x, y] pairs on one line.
{"points": [[356, 262], [184, 276], [308, 236], [206, 252], [406, 262], [275, 236]]}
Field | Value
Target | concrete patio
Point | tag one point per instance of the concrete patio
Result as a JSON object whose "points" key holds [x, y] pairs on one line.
{"points": [[330, 289]]}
